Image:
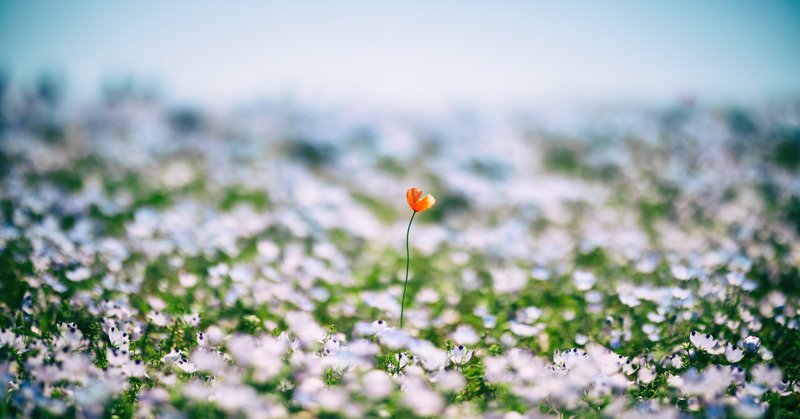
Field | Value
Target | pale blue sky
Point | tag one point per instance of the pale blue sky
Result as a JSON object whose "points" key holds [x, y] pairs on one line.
{"points": [[414, 53]]}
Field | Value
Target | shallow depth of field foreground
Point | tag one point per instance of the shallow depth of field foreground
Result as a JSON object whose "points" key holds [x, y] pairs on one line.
{"points": [[167, 262]]}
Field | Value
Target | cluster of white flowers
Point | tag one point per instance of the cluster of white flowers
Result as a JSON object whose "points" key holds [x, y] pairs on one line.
{"points": [[153, 268]]}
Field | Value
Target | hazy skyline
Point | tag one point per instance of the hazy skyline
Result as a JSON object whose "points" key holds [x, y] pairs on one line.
{"points": [[413, 54]]}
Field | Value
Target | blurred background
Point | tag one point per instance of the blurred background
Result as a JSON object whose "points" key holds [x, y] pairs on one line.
{"points": [[413, 55], [587, 124]]}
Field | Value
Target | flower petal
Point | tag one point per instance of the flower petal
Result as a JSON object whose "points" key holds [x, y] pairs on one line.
{"points": [[425, 203], [413, 195]]}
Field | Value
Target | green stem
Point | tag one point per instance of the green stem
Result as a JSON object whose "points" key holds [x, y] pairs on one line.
{"points": [[405, 285]]}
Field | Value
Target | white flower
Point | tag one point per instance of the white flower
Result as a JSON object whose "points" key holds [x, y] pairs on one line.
{"points": [[378, 327], [489, 321], [134, 368], [215, 335], [202, 340], [219, 270], [395, 339], [118, 338], [450, 381], [268, 250], [629, 367], [569, 358], [156, 303], [465, 335], [268, 357], [186, 366], [304, 326], [331, 347], [332, 399], [652, 332], [187, 280], [158, 318], [460, 355], [629, 299], [784, 388], [6, 337], [750, 408], [701, 341], [674, 360], [118, 310], [524, 330], [735, 278], [421, 400], [737, 374], [173, 356], [242, 349], [708, 384], [674, 380], [507, 281], [209, 360], [192, 319], [647, 374], [377, 384], [733, 353], [681, 272], [584, 280], [431, 358], [656, 316], [117, 357], [80, 274], [751, 343], [10, 339], [768, 376], [528, 315], [540, 273], [70, 335]]}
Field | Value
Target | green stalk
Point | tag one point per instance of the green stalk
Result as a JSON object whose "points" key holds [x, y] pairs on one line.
{"points": [[408, 259]]}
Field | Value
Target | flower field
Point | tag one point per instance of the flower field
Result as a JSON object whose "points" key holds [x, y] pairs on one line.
{"points": [[160, 261]]}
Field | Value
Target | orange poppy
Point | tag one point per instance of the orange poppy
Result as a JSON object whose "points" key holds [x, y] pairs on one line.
{"points": [[418, 204]]}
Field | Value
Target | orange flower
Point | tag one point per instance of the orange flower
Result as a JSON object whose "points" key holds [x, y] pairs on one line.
{"points": [[419, 204]]}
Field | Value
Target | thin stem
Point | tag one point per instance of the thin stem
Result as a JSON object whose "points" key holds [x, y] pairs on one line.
{"points": [[405, 285]]}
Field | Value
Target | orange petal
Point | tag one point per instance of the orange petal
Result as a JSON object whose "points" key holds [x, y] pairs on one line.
{"points": [[424, 203], [412, 196]]}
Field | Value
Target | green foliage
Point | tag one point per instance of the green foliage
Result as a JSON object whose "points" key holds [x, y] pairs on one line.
{"points": [[332, 377], [236, 195], [14, 266], [476, 387], [565, 157], [314, 154], [787, 151]]}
